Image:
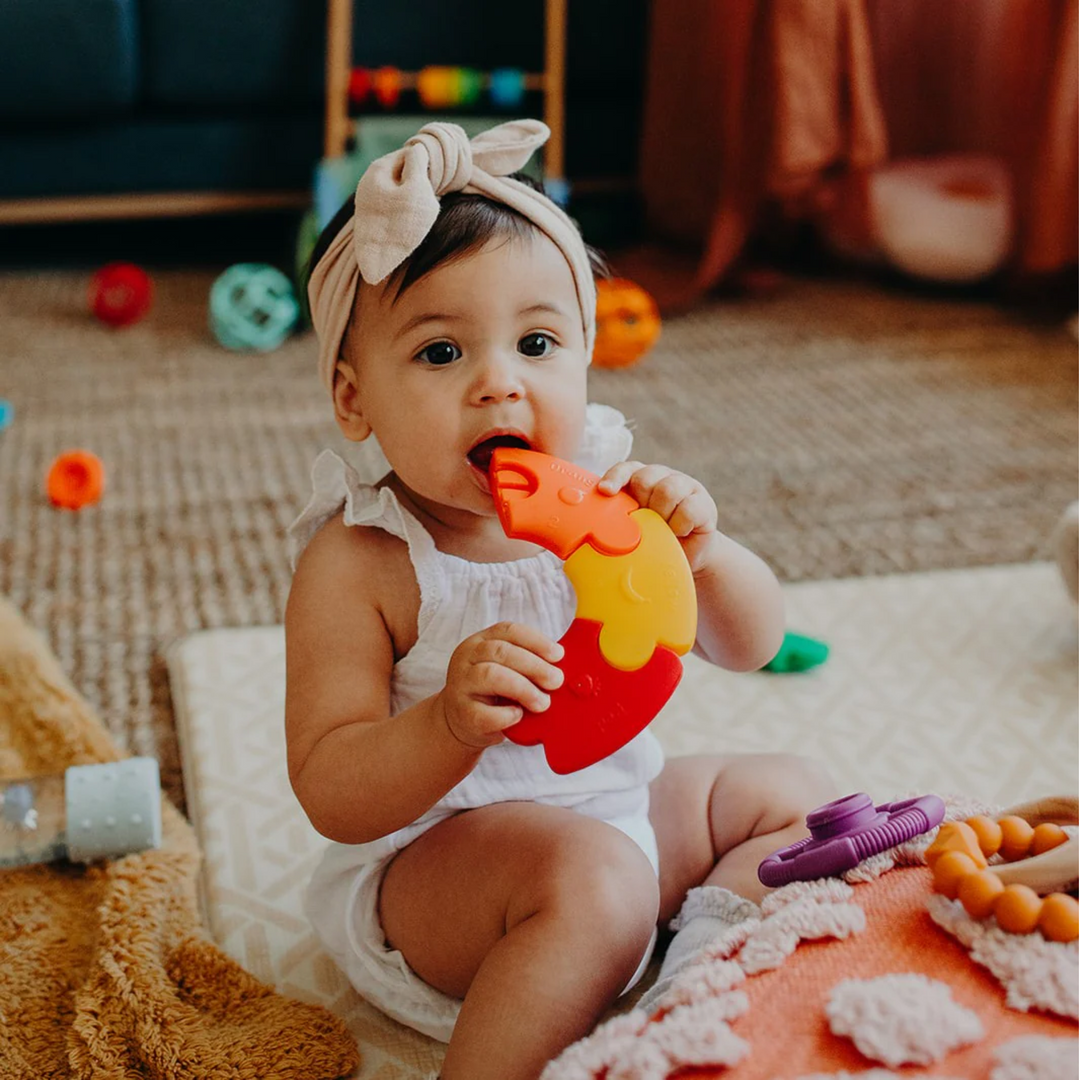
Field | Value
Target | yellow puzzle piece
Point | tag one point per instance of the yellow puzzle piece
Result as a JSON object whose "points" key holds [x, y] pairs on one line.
{"points": [[644, 598]]}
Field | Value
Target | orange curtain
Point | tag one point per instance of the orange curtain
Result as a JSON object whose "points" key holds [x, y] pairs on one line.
{"points": [[750, 102], [990, 76]]}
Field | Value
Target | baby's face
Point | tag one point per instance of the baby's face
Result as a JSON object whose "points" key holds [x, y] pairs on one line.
{"points": [[485, 350]]}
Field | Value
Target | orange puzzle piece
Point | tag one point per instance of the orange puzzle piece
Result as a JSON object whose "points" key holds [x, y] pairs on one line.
{"points": [[556, 504]]}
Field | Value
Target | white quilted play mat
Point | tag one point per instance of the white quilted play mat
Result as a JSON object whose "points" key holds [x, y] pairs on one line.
{"points": [[961, 681]]}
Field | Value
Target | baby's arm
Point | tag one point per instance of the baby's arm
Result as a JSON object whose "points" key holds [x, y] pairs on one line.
{"points": [[358, 772], [740, 606]]}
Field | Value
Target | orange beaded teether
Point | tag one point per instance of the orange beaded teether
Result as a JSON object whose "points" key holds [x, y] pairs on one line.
{"points": [[1059, 919], [1016, 836], [988, 833], [1046, 837], [978, 893], [958, 858], [1017, 909], [950, 870], [956, 836]]}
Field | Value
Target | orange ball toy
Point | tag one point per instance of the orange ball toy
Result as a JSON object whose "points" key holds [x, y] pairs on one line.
{"points": [[1016, 836], [950, 869], [960, 872], [627, 323], [1046, 837], [1017, 909], [75, 479], [978, 893], [386, 83], [988, 832], [1059, 919]]}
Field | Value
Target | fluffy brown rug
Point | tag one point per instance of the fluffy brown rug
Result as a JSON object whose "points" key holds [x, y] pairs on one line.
{"points": [[106, 971]]}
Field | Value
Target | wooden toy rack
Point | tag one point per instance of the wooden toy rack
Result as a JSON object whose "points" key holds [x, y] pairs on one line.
{"points": [[340, 127]]}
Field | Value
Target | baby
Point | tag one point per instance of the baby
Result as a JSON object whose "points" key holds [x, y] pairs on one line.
{"points": [[471, 892]]}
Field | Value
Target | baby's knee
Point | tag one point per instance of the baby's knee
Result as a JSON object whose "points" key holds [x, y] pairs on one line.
{"points": [[600, 882], [807, 774], [798, 784]]}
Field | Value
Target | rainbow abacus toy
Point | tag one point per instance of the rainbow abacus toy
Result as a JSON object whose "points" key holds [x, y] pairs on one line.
{"points": [[636, 612], [441, 87]]}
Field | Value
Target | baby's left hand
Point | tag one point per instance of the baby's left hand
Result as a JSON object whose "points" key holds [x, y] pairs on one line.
{"points": [[679, 499]]}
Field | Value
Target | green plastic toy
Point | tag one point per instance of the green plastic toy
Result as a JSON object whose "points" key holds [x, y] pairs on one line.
{"points": [[798, 653]]}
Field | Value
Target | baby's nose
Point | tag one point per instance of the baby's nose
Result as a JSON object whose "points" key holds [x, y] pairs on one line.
{"points": [[498, 380]]}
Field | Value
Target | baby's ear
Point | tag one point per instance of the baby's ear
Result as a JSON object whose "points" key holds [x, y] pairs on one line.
{"points": [[347, 411]]}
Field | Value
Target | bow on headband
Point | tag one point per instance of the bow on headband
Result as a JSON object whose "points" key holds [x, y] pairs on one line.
{"points": [[397, 202]]}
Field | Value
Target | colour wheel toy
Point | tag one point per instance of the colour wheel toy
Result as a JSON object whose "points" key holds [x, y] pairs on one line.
{"points": [[636, 612]]}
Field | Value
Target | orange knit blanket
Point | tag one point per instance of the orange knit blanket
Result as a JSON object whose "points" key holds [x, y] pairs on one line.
{"points": [[106, 971]]}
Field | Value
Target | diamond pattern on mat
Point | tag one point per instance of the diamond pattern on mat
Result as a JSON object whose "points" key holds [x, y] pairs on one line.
{"points": [[951, 681]]}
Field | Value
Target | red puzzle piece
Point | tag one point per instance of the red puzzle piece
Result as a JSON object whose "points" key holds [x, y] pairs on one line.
{"points": [[557, 505], [598, 708]]}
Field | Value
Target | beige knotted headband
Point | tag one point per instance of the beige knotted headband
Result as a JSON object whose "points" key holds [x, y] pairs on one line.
{"points": [[397, 202]]}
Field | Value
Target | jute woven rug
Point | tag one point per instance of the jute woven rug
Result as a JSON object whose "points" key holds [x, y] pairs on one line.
{"points": [[844, 430]]}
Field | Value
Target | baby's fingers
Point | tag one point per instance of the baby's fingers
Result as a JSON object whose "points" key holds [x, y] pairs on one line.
{"points": [[695, 513], [496, 681], [525, 637], [524, 661], [616, 478], [670, 493]]}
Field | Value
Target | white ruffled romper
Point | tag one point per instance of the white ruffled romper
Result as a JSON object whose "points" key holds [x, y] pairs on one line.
{"points": [[459, 598]]}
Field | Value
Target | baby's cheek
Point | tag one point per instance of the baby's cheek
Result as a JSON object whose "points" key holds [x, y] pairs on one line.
{"points": [[567, 427]]}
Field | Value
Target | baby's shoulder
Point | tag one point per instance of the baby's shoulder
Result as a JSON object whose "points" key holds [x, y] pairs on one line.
{"points": [[362, 564], [354, 552]]}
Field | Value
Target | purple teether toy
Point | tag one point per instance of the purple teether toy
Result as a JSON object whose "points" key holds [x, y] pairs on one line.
{"points": [[844, 832]]}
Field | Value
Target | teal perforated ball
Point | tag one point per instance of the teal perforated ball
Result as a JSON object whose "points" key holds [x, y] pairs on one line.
{"points": [[252, 306]]}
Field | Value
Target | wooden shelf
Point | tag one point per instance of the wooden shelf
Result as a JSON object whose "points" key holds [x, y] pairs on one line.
{"points": [[146, 205]]}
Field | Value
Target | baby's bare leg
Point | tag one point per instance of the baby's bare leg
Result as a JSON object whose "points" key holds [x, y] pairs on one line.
{"points": [[536, 915], [718, 816]]}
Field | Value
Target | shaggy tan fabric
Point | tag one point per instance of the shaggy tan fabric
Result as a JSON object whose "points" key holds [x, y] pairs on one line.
{"points": [[105, 971]]}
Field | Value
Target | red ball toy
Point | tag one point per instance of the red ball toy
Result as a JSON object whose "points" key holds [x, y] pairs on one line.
{"points": [[120, 293], [359, 85]]}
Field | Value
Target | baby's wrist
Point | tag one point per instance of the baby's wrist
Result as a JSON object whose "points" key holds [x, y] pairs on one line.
{"points": [[710, 557], [441, 708]]}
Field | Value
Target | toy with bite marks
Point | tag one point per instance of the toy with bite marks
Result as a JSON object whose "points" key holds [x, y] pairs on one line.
{"points": [[636, 613]]}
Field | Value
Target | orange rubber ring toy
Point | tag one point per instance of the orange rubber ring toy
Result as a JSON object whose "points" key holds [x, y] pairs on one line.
{"points": [[76, 479]]}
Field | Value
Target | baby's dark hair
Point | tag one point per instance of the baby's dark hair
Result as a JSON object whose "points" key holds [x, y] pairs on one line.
{"points": [[465, 223]]}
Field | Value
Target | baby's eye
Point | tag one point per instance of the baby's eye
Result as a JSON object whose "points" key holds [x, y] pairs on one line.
{"points": [[536, 345], [440, 354]]}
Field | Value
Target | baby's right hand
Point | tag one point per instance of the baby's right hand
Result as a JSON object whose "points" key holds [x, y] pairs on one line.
{"points": [[493, 676]]}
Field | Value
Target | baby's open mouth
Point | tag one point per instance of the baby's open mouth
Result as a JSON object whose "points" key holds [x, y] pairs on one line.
{"points": [[480, 454]]}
